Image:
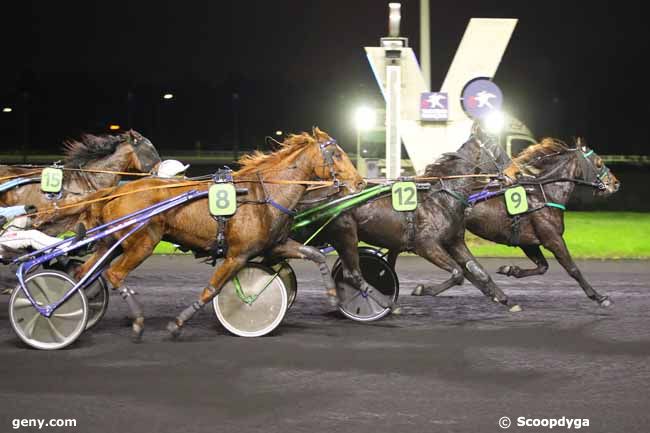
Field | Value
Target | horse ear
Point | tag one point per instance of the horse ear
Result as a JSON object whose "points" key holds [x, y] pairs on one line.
{"points": [[317, 133], [580, 143]]}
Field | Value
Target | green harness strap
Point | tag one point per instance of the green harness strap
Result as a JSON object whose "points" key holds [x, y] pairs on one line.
{"points": [[337, 206], [556, 205], [457, 196]]}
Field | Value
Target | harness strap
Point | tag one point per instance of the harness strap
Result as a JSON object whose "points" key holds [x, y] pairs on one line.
{"points": [[457, 196], [515, 236], [281, 208], [556, 205], [269, 200], [410, 230], [220, 247]]}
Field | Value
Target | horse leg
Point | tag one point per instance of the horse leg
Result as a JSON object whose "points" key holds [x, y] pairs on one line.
{"points": [[441, 258], [558, 247], [477, 275], [88, 264], [535, 254], [345, 242], [295, 250], [391, 258], [137, 248], [224, 273]]}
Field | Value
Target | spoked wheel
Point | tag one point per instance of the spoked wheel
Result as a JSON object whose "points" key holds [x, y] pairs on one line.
{"points": [[366, 307], [253, 303], [66, 323], [288, 276]]}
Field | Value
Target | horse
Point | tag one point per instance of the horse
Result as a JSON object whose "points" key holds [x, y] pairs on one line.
{"points": [[549, 170], [275, 183], [434, 231], [127, 152]]}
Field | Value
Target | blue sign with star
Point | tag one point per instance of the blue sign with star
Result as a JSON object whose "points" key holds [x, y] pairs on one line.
{"points": [[434, 106], [481, 96]]}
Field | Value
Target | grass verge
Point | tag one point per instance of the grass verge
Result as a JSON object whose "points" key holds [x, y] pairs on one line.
{"points": [[589, 235]]}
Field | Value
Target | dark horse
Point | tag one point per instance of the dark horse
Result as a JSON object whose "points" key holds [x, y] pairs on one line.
{"points": [[127, 152], [275, 183], [434, 231], [549, 170]]}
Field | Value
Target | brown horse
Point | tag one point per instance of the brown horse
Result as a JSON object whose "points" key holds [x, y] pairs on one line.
{"points": [[259, 227], [127, 152]]}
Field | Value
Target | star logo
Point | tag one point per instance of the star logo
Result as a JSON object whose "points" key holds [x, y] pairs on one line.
{"points": [[435, 100]]}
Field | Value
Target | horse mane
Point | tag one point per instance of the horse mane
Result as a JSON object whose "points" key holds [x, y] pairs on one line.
{"points": [[433, 169], [89, 148], [522, 164], [278, 160]]}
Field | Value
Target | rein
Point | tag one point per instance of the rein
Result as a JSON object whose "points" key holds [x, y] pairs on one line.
{"points": [[82, 170], [178, 185]]}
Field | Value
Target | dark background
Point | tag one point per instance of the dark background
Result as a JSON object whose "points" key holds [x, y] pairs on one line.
{"points": [[572, 68]]}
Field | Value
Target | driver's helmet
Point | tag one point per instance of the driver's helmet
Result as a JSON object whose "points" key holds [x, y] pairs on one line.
{"points": [[171, 168]]}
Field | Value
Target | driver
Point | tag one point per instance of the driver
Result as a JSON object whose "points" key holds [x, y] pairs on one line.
{"points": [[172, 169], [14, 233]]}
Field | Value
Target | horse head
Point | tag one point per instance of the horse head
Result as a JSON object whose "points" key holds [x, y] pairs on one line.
{"points": [[552, 159], [472, 157], [330, 162], [144, 157], [129, 151], [594, 170]]}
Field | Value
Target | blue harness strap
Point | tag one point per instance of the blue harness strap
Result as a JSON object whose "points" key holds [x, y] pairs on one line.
{"points": [[281, 208], [14, 183]]}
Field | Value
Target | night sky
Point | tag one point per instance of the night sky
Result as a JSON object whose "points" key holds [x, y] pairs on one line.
{"points": [[572, 68]]}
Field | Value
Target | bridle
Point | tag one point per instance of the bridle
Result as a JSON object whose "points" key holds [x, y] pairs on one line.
{"points": [[591, 175], [327, 150], [145, 155], [476, 164], [598, 174]]}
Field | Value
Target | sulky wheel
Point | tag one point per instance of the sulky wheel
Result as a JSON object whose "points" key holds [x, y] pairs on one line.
{"points": [[64, 325], [290, 281], [253, 303], [97, 295], [366, 307]]}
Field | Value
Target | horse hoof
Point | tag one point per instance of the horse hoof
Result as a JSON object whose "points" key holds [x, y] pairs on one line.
{"points": [[418, 290], [605, 302], [504, 270], [136, 334], [396, 309], [332, 298], [174, 330], [515, 309]]}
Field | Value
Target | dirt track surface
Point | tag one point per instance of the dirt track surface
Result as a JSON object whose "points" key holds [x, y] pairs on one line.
{"points": [[455, 363]]}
